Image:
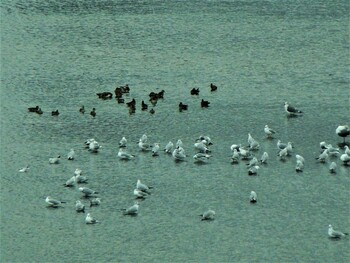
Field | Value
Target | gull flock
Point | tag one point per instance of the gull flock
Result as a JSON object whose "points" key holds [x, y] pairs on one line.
{"points": [[202, 146]]}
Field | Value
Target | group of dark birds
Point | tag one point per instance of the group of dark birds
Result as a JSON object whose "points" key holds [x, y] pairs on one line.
{"points": [[121, 90]]}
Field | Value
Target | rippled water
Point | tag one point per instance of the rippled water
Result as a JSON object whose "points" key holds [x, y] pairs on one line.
{"points": [[58, 54]]}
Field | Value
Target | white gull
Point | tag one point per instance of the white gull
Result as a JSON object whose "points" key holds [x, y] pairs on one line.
{"points": [[90, 220], [335, 234], [169, 147], [24, 169], [53, 202]]}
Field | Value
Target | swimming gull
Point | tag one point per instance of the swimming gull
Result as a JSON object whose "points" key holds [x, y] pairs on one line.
{"points": [[201, 157], [169, 147], [53, 202], [335, 234], [79, 207], [90, 220], [269, 132], [24, 169], [132, 210], [290, 110], [123, 155], [253, 197], [333, 167], [55, 160], [208, 215], [264, 157], [155, 149], [122, 142], [87, 191], [95, 201], [71, 154], [347, 150]]}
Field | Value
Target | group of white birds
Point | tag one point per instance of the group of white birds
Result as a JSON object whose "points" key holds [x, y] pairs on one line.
{"points": [[202, 155], [141, 190]]}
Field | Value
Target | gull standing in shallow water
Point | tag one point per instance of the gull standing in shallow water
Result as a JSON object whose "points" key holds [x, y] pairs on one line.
{"points": [[252, 162], [201, 146], [179, 154], [139, 194], [269, 132], [345, 159], [123, 155], [71, 182], [79, 207], [343, 131], [94, 146], [87, 191], [169, 147], [333, 168], [122, 142], [155, 149], [253, 170], [264, 157], [201, 157], [291, 111], [299, 167], [300, 158], [322, 158], [53, 202], [178, 143], [208, 215], [235, 156], [335, 234], [142, 187]]}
